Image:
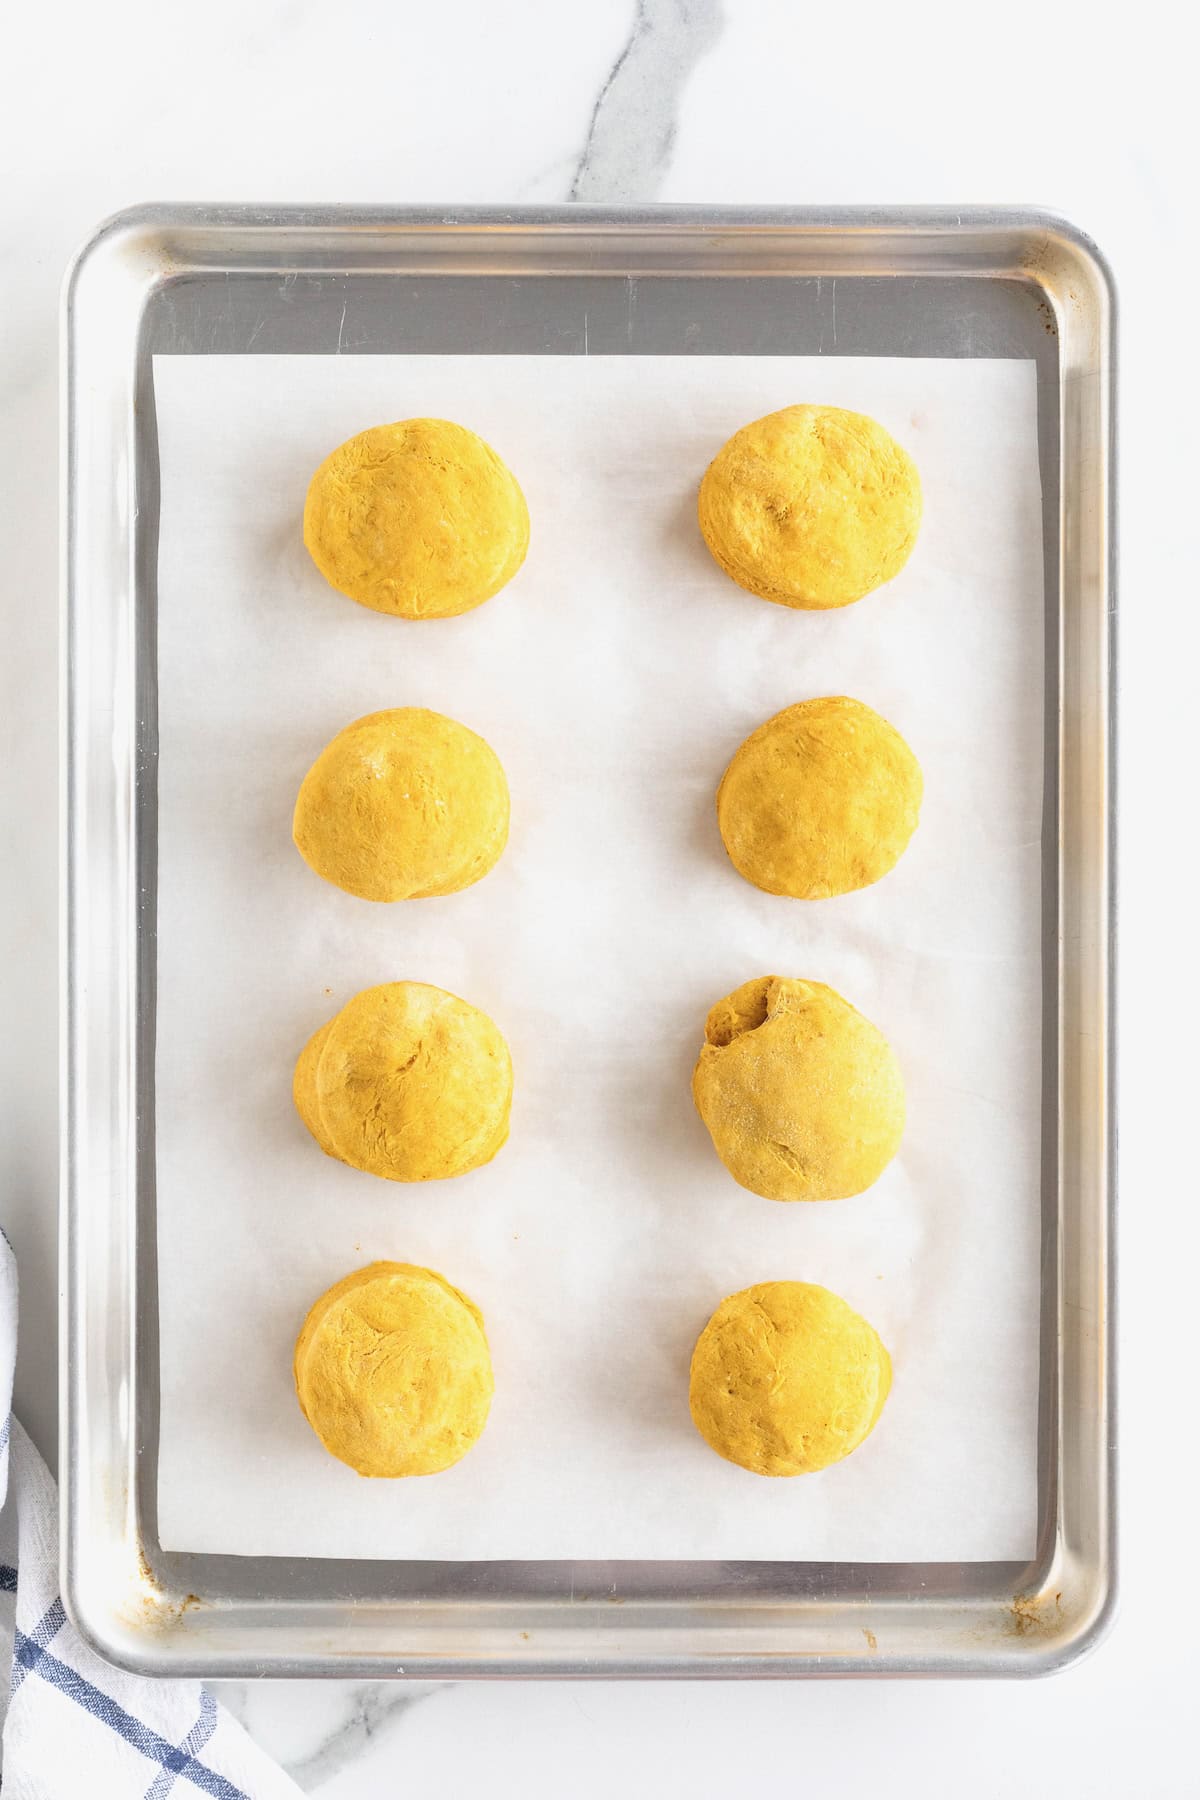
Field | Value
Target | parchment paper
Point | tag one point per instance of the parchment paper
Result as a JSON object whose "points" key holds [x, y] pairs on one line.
{"points": [[614, 677]]}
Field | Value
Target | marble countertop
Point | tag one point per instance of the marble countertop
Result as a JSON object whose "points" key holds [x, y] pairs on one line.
{"points": [[756, 100]]}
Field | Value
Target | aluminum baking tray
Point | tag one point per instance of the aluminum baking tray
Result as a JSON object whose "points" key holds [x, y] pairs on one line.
{"points": [[246, 280]]}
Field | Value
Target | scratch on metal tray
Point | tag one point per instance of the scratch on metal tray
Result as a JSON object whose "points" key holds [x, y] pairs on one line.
{"points": [[342, 325]]}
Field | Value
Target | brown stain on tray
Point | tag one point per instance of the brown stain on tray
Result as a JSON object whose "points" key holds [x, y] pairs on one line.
{"points": [[1031, 1614], [149, 1609]]}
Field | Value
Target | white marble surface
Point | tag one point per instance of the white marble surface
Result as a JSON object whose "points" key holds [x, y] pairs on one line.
{"points": [[473, 100]]}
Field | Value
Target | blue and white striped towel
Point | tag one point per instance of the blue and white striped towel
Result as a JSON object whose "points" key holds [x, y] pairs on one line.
{"points": [[74, 1725]]}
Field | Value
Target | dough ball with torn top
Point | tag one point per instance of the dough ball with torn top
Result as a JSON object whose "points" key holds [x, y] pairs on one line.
{"points": [[803, 1097], [811, 507], [403, 805], [787, 1378], [407, 1082], [820, 800], [393, 1371], [421, 519]]}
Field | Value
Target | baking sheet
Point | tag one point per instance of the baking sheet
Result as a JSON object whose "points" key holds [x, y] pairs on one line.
{"points": [[614, 677]]}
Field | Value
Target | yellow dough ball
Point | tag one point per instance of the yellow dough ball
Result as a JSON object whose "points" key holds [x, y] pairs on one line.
{"points": [[786, 1379], [393, 1371], [407, 1082], [304, 1087], [820, 800], [802, 1096], [421, 519], [811, 507], [403, 805]]}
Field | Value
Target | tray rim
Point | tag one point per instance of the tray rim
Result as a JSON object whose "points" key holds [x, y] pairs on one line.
{"points": [[135, 251]]}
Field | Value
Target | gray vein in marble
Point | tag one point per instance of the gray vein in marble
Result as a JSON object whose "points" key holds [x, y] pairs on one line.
{"points": [[549, 179], [632, 129], [375, 1705]]}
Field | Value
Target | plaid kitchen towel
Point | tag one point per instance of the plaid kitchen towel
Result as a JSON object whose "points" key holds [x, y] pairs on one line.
{"points": [[74, 1725]]}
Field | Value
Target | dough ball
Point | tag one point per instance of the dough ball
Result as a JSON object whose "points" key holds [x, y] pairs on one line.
{"points": [[403, 805], [407, 1082], [421, 519], [811, 507], [820, 800], [802, 1096], [393, 1371], [304, 1087], [786, 1379]]}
